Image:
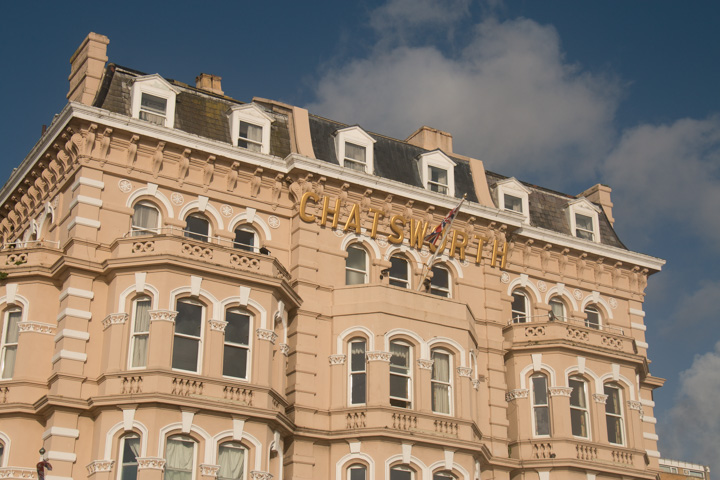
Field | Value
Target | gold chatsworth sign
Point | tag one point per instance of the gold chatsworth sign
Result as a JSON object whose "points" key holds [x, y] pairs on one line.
{"points": [[459, 241]]}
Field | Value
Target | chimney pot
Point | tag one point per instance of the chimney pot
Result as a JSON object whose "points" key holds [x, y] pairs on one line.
{"points": [[210, 83]]}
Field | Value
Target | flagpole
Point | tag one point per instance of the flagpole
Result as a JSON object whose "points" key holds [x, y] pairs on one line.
{"points": [[428, 265]]}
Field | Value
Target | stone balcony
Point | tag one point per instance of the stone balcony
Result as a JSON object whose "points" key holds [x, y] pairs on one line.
{"points": [[32, 254], [580, 453]]}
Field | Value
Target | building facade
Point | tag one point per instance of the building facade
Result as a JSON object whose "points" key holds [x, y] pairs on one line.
{"points": [[195, 287]]}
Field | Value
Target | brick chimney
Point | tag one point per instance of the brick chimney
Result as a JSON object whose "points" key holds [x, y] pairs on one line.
{"points": [[431, 139], [210, 83], [87, 66], [600, 194]]}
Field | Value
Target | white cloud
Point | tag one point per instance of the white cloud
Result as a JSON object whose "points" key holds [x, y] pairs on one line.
{"points": [[405, 17], [693, 431]]}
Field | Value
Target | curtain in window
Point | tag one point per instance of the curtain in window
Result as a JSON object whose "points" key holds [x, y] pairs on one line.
{"points": [[142, 325], [441, 391], [179, 457], [11, 338], [144, 218], [131, 452], [232, 461]]}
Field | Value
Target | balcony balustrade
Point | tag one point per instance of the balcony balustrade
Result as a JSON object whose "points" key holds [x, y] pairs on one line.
{"points": [[575, 452]]}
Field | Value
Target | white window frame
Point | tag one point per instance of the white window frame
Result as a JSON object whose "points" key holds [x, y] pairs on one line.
{"points": [[583, 206], [525, 317], [536, 405], [159, 87], [620, 415], [254, 114], [439, 160], [408, 376], [448, 384], [352, 372], [596, 309], [120, 463], [248, 347], [511, 186], [3, 341], [406, 281], [185, 438], [142, 230], [133, 334], [359, 137], [239, 446], [448, 289], [198, 368], [585, 411], [367, 264], [443, 475], [256, 239]]}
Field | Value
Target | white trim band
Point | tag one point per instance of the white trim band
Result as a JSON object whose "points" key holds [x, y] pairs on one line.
{"points": [[74, 334], [76, 292], [61, 432], [89, 182], [653, 453], [74, 312], [649, 419], [641, 344], [636, 311], [85, 200], [650, 436], [69, 355], [85, 222], [638, 326], [61, 456]]}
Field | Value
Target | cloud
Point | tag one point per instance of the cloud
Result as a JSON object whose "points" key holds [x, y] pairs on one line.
{"points": [[406, 17], [693, 430]]}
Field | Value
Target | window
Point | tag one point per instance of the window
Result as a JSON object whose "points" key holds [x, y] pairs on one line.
{"points": [[198, 227], [179, 458], [129, 453], [584, 227], [245, 239], [188, 332], [513, 203], [557, 309], [519, 307], [443, 476], [400, 376], [250, 136], [593, 318], [237, 344], [401, 473], [437, 180], [354, 157], [2, 451], [153, 109], [613, 414], [356, 266], [512, 196], [358, 372], [578, 408], [399, 272], [541, 407], [357, 472], [140, 332], [583, 217], [440, 382], [232, 460], [13, 316], [153, 100], [145, 219], [440, 282]]}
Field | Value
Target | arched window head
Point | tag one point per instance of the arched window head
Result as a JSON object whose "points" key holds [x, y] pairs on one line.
{"points": [[232, 459], [614, 414], [400, 374], [440, 282], [541, 405], [557, 310], [356, 265], [180, 458], [237, 344], [140, 333], [579, 407], [520, 307], [399, 272], [188, 335], [593, 320], [198, 227], [357, 472], [444, 476], [358, 371], [401, 472], [246, 239], [129, 453], [9, 341], [441, 382], [145, 219]]}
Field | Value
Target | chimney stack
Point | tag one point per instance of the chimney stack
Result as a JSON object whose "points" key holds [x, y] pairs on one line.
{"points": [[431, 139], [600, 194], [87, 66], [210, 83]]}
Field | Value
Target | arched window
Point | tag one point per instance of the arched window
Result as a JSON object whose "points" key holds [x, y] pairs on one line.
{"points": [[614, 414], [541, 407], [440, 283], [400, 374], [246, 239], [357, 472], [358, 372], [356, 266], [179, 458], [593, 319], [237, 344], [441, 382], [557, 309], [9, 343], [188, 334], [579, 408], [399, 272], [140, 332], [2, 452], [198, 227], [232, 458], [129, 453], [145, 219], [519, 307], [444, 476], [401, 472]]}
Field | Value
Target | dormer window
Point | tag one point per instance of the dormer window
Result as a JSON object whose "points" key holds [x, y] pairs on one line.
{"points": [[437, 172], [153, 100], [250, 128], [354, 149], [584, 220], [513, 197], [513, 203]]}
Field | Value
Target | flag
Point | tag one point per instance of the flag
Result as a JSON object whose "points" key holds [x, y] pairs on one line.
{"points": [[433, 236]]}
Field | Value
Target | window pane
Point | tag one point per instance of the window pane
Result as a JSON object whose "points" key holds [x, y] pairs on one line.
{"points": [[519, 308], [440, 283], [142, 315], [144, 218], [235, 362], [131, 450], [250, 131], [584, 222], [613, 401], [358, 388], [179, 459], [197, 228], [398, 272], [400, 358], [357, 356], [443, 476], [396, 474], [354, 278], [513, 203], [237, 329], [577, 397], [578, 419], [185, 353], [441, 367], [357, 473], [614, 429], [438, 175], [140, 345], [244, 240], [231, 458], [593, 318], [398, 386], [189, 318], [558, 309], [356, 258], [542, 421], [14, 318], [9, 362], [539, 390], [153, 104], [440, 398], [355, 152]]}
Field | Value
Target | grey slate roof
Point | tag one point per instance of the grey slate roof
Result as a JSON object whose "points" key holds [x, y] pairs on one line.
{"points": [[205, 114]]}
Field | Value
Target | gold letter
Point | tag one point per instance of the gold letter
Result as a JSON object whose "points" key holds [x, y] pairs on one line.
{"points": [[303, 204], [478, 256], [335, 211], [399, 234], [460, 245], [417, 233], [353, 219], [503, 259], [376, 218]]}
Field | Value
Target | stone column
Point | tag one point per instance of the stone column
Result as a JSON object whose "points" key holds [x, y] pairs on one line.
{"points": [[214, 347], [339, 392], [464, 391], [422, 388], [634, 425], [560, 412], [378, 374], [598, 416], [262, 369], [519, 413], [162, 329], [115, 344], [150, 468]]}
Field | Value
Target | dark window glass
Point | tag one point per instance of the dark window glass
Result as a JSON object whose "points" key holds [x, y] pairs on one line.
{"points": [[440, 283], [399, 272], [244, 240], [198, 228]]}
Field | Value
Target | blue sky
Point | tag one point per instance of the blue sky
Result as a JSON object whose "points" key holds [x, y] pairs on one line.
{"points": [[564, 94]]}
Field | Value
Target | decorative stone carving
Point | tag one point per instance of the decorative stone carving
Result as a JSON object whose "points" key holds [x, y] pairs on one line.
{"points": [[337, 359], [598, 269], [600, 398], [100, 466], [581, 265], [366, 201], [560, 391], [217, 325], [226, 210], [382, 240], [151, 463], [90, 135], [517, 393], [464, 371], [429, 214], [295, 187], [209, 470], [319, 186], [545, 257], [177, 198], [505, 277], [343, 195], [36, 327], [208, 172], [114, 319], [183, 166], [18, 473], [563, 260], [162, 315], [125, 185], [425, 364], [232, 176], [105, 145], [268, 335], [409, 210], [387, 208], [527, 253], [613, 303], [378, 356], [577, 294], [635, 405], [273, 221], [258, 475], [616, 274], [285, 349], [157, 159], [542, 286], [256, 182], [132, 153], [276, 190], [476, 383]]}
